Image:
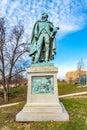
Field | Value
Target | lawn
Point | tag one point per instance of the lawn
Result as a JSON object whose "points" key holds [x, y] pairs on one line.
{"points": [[18, 93], [76, 107], [65, 88]]}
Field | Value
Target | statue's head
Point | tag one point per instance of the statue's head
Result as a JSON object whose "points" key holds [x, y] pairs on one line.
{"points": [[44, 15]]}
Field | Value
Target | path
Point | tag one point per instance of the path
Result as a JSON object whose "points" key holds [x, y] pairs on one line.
{"points": [[61, 96], [73, 94], [8, 105]]}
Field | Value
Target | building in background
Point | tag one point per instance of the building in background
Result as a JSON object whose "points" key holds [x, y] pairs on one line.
{"points": [[83, 80], [76, 77]]}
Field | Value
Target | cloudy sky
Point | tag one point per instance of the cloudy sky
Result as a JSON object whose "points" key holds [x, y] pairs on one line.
{"points": [[69, 15]]}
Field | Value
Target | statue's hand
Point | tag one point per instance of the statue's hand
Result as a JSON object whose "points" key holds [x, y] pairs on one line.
{"points": [[57, 28], [54, 32]]}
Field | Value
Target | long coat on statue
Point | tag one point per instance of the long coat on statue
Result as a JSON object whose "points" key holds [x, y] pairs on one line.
{"points": [[47, 28]]}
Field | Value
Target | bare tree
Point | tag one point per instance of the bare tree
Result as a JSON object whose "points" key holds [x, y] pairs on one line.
{"points": [[80, 64], [80, 67], [12, 53], [18, 79]]}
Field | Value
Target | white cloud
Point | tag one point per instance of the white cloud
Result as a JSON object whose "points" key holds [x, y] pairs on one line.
{"points": [[3, 5], [69, 15], [12, 8], [66, 14]]}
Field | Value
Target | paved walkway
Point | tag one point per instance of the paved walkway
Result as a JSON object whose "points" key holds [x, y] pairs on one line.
{"points": [[73, 94], [7, 105], [61, 96]]}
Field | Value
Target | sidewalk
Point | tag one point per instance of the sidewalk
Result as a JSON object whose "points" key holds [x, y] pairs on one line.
{"points": [[61, 96], [73, 94], [8, 105]]}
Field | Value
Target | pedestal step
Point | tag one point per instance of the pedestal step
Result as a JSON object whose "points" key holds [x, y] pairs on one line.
{"points": [[49, 114]]}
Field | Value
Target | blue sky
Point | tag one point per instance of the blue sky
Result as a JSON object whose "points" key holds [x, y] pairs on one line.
{"points": [[69, 15]]}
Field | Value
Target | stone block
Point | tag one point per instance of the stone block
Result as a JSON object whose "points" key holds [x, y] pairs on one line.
{"points": [[42, 96]]}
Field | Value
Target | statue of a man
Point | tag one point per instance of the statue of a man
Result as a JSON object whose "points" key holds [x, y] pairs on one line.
{"points": [[43, 46]]}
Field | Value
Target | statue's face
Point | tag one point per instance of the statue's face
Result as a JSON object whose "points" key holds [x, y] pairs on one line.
{"points": [[44, 18]]}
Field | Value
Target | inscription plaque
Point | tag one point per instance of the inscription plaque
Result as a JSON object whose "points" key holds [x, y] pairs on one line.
{"points": [[42, 85]]}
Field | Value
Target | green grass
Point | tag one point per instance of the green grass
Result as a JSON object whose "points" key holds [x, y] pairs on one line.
{"points": [[16, 94], [65, 88], [77, 109]]}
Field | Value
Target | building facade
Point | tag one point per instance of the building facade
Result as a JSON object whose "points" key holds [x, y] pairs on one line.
{"points": [[83, 80], [75, 77]]}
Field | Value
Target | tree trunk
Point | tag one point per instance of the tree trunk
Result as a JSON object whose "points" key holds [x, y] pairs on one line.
{"points": [[5, 95]]}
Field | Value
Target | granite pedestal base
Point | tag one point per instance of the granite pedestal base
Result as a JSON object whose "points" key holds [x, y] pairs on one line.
{"points": [[42, 97]]}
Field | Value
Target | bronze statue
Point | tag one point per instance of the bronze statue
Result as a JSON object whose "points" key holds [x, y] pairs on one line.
{"points": [[43, 47]]}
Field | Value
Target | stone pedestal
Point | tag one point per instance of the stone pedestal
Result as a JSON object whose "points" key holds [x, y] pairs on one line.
{"points": [[42, 96]]}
